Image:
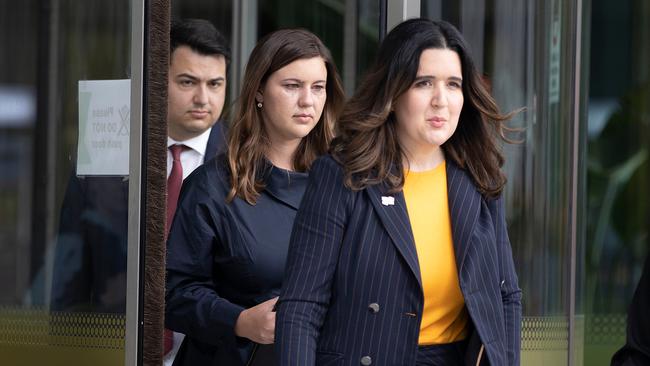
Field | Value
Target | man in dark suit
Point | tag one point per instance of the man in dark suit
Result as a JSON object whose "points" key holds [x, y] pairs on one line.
{"points": [[91, 252], [197, 91]]}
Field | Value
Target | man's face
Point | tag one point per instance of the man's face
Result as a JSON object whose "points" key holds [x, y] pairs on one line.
{"points": [[197, 91]]}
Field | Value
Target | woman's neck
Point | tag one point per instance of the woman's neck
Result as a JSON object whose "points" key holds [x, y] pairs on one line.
{"points": [[423, 159], [281, 154]]}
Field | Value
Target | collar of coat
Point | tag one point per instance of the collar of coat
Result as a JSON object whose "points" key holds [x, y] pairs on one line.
{"points": [[284, 185], [464, 208]]}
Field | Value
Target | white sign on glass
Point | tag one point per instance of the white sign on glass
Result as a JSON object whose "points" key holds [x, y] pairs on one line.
{"points": [[104, 119]]}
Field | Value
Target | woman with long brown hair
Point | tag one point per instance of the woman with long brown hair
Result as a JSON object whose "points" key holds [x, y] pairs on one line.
{"points": [[228, 242], [399, 253]]}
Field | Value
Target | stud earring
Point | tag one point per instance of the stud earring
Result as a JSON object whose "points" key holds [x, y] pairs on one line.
{"points": [[259, 104]]}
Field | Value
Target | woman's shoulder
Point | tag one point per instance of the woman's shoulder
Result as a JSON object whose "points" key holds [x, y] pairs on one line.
{"points": [[327, 174], [326, 163], [211, 177]]}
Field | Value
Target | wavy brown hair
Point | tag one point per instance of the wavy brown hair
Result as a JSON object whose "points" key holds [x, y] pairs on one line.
{"points": [[247, 139], [367, 145]]}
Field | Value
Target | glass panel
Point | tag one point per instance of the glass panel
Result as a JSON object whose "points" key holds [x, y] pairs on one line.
{"points": [[367, 37], [218, 12], [618, 171], [517, 47], [63, 180], [350, 29]]}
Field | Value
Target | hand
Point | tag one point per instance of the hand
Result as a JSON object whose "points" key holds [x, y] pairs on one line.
{"points": [[258, 323]]}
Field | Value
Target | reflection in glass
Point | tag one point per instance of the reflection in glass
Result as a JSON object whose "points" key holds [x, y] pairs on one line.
{"points": [[48, 217], [618, 171], [350, 29]]}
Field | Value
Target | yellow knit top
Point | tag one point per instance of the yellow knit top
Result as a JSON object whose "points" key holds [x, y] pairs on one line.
{"points": [[445, 317]]}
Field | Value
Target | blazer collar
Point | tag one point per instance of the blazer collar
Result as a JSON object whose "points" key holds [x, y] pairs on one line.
{"points": [[395, 220], [464, 207]]}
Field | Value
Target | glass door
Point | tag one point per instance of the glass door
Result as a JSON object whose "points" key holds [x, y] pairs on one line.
{"points": [[617, 142], [65, 119]]}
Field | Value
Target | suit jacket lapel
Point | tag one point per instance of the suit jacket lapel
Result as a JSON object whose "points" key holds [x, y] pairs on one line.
{"points": [[464, 208], [216, 141], [395, 220]]}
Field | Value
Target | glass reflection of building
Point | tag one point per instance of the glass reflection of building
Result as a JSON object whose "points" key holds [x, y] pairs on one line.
{"points": [[576, 197]]}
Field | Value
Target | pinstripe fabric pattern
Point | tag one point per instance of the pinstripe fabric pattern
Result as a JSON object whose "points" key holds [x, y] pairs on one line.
{"points": [[352, 291]]}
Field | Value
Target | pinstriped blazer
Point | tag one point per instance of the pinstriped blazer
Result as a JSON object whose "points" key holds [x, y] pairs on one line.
{"points": [[352, 292]]}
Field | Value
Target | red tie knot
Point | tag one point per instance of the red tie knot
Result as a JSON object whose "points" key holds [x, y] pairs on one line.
{"points": [[176, 151]]}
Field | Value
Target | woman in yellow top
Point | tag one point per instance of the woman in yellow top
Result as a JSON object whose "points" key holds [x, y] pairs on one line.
{"points": [[444, 317], [399, 253]]}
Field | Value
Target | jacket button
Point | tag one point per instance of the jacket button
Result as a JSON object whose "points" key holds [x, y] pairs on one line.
{"points": [[366, 361], [374, 307]]}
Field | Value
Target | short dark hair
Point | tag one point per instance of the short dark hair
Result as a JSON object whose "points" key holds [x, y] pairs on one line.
{"points": [[200, 35]]}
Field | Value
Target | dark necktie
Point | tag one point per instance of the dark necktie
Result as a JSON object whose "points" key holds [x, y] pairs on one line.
{"points": [[174, 183]]}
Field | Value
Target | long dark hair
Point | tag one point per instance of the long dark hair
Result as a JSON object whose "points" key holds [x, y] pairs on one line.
{"points": [[248, 140], [367, 145]]}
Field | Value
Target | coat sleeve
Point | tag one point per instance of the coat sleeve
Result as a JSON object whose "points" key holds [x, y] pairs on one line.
{"points": [[313, 253], [510, 291], [193, 306]]}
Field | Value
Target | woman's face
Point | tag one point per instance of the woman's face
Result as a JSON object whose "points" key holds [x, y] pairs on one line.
{"points": [[293, 98], [427, 113]]}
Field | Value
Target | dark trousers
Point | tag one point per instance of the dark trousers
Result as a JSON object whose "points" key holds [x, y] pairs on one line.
{"points": [[263, 355], [449, 354]]}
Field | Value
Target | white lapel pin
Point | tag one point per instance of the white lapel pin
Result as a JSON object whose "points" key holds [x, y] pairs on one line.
{"points": [[387, 200]]}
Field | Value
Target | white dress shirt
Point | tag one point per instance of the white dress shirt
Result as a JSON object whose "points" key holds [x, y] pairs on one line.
{"points": [[191, 158]]}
